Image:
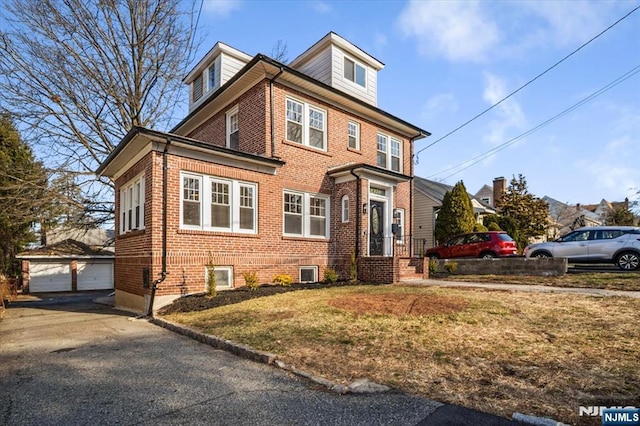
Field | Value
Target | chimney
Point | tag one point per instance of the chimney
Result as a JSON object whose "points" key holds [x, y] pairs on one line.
{"points": [[499, 188]]}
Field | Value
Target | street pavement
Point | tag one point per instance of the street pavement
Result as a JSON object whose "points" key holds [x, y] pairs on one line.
{"points": [[65, 360]]}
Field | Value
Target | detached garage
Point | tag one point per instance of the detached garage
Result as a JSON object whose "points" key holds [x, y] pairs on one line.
{"points": [[69, 265]]}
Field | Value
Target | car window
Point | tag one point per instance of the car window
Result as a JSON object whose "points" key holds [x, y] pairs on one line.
{"points": [[505, 237], [608, 234], [456, 241], [473, 238], [577, 236]]}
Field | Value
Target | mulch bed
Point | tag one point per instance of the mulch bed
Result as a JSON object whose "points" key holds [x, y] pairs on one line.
{"points": [[200, 302]]}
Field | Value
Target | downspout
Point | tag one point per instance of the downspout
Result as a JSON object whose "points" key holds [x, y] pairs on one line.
{"points": [[273, 132], [163, 274], [358, 211]]}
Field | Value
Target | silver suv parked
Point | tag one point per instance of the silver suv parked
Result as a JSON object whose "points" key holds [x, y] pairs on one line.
{"points": [[600, 244]]}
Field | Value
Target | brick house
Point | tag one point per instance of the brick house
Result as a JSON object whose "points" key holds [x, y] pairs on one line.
{"points": [[277, 169]]}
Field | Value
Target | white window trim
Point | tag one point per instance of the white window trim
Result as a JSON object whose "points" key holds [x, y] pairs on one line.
{"points": [[389, 140], [205, 203], [229, 269], [357, 136], [306, 108], [315, 273], [125, 211], [345, 211], [233, 111], [306, 214], [356, 64]]}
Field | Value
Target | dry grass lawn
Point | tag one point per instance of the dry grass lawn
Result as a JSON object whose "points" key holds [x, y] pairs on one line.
{"points": [[496, 351], [610, 281]]}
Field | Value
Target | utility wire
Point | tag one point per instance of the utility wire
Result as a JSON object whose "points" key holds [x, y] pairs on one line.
{"points": [[478, 158], [527, 83], [189, 59]]}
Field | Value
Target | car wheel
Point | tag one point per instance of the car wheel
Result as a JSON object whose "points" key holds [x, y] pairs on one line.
{"points": [[487, 255], [541, 255], [628, 261]]}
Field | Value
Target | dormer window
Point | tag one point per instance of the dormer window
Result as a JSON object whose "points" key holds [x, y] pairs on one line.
{"points": [[355, 72], [212, 76], [196, 89]]}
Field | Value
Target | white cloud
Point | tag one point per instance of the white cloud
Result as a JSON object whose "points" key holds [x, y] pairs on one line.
{"points": [[457, 30], [321, 7], [443, 103], [568, 22], [510, 115], [221, 8]]}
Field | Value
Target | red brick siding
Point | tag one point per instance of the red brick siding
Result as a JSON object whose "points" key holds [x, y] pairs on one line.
{"points": [[268, 252]]}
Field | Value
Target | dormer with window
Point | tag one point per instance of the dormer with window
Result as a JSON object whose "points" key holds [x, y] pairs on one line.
{"points": [[214, 70], [342, 65]]}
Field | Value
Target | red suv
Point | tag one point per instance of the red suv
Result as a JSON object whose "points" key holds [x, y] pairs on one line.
{"points": [[484, 245]]}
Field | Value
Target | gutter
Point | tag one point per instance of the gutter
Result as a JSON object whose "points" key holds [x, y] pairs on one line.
{"points": [[273, 134], [163, 274], [412, 140]]}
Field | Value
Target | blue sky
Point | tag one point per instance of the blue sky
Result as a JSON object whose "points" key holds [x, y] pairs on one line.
{"points": [[448, 61]]}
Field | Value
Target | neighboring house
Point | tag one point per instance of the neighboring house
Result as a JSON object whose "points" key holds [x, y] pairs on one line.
{"points": [[564, 217], [428, 196], [277, 169], [491, 195], [73, 260]]}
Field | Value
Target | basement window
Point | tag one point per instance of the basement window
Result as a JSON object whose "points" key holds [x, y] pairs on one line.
{"points": [[308, 274]]}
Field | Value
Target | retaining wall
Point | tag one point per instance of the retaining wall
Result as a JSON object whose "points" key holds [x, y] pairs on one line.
{"points": [[507, 266]]}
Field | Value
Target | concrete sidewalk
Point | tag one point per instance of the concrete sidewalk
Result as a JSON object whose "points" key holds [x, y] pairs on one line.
{"points": [[528, 288]]}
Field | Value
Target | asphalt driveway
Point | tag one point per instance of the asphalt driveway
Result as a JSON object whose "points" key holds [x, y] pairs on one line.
{"points": [[68, 361]]}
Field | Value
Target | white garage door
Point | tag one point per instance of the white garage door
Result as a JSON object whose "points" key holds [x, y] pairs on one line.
{"points": [[45, 277], [95, 276]]}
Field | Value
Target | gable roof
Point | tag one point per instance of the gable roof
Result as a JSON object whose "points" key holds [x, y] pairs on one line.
{"points": [[67, 249], [436, 190]]}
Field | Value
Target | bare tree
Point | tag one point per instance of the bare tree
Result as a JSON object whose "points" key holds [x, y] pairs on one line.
{"points": [[77, 75], [280, 52]]}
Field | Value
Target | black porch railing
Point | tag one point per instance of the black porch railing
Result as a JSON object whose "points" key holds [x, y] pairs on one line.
{"points": [[403, 246]]}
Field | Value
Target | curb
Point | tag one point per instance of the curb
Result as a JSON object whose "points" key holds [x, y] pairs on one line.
{"points": [[358, 386]]}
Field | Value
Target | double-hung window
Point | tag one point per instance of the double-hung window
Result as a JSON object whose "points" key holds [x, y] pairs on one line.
{"points": [[218, 204], [305, 215], [353, 134], [355, 72], [306, 124], [232, 129], [132, 205], [191, 200], [389, 153]]}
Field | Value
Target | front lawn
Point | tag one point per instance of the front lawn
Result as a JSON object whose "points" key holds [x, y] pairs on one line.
{"points": [[495, 351], [629, 281]]}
